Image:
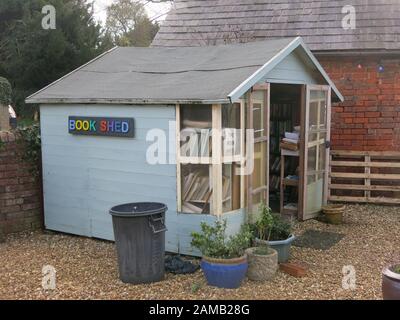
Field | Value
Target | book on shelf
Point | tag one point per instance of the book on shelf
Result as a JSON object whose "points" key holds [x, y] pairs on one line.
{"points": [[198, 192], [290, 141], [289, 146]]}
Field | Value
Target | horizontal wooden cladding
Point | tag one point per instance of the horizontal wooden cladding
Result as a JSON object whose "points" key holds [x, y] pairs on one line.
{"points": [[374, 200], [363, 188], [365, 164], [377, 176], [358, 183], [376, 154]]}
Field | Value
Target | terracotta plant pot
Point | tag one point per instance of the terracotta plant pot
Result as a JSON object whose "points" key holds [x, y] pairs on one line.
{"points": [[262, 267], [334, 213], [224, 273], [391, 283]]}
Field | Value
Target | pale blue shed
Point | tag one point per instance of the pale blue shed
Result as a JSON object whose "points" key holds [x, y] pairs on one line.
{"points": [[104, 126]]}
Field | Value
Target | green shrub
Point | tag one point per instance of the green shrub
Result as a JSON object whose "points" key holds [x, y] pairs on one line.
{"points": [[5, 91], [281, 229], [264, 223], [212, 241], [271, 226], [30, 138]]}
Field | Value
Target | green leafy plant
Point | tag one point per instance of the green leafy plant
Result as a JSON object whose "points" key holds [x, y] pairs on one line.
{"points": [[396, 269], [281, 228], [5, 91], [271, 226], [30, 138], [196, 286], [264, 223], [212, 241]]}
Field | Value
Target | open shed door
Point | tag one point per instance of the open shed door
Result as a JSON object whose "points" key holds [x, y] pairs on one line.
{"points": [[258, 120], [316, 147]]}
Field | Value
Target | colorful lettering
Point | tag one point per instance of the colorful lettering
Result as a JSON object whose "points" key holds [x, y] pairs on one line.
{"points": [[78, 125], [85, 125], [103, 126], [92, 125], [125, 127], [110, 126], [119, 127]]}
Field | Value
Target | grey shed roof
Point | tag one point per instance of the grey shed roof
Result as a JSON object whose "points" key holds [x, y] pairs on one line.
{"points": [[318, 22], [218, 74]]}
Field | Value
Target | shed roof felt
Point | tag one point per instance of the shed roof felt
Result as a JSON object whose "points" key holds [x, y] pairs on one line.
{"points": [[318, 22], [170, 75]]}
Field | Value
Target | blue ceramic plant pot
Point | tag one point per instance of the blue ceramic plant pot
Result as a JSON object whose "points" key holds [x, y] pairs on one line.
{"points": [[224, 273]]}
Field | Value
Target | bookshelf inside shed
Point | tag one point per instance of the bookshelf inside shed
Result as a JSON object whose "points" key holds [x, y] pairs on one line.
{"points": [[284, 117]]}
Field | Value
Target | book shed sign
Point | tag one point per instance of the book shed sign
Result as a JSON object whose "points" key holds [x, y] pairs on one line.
{"points": [[100, 126]]}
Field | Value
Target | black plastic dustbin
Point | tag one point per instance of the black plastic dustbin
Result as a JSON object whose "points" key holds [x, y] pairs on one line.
{"points": [[139, 232]]}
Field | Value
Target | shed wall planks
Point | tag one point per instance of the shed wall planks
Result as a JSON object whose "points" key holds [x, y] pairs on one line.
{"points": [[85, 176]]}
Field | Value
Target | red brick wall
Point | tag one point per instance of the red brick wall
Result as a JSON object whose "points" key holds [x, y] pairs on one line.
{"points": [[20, 195], [369, 119]]}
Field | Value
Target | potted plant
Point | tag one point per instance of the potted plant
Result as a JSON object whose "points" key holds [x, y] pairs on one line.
{"points": [[278, 234], [224, 261], [263, 260], [391, 282], [334, 213]]}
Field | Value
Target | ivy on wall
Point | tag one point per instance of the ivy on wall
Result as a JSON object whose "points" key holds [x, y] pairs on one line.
{"points": [[5, 91], [31, 140]]}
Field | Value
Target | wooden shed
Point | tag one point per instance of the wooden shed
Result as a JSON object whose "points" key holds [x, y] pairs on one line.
{"points": [[171, 125]]}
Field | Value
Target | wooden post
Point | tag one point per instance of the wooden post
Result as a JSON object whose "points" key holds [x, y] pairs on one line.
{"points": [[178, 156], [250, 176], [242, 152], [267, 127], [282, 189], [328, 155], [217, 159], [367, 181]]}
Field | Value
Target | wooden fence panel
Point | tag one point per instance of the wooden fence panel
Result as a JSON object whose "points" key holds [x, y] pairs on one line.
{"points": [[365, 177]]}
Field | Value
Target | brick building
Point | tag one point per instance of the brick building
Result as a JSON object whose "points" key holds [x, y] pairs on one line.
{"points": [[20, 192], [363, 62]]}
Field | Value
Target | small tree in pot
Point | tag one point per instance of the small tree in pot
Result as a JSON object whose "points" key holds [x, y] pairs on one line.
{"points": [[278, 234], [263, 260], [224, 261]]}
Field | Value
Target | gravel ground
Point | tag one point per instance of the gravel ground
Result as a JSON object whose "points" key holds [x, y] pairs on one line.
{"points": [[86, 268]]}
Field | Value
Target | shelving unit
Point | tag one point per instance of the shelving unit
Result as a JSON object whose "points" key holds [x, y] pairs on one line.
{"points": [[288, 209], [281, 121]]}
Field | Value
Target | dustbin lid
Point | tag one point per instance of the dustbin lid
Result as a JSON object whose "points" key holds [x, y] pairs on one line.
{"points": [[138, 209]]}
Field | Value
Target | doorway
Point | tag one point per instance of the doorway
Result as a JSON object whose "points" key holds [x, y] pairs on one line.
{"points": [[285, 109], [299, 134]]}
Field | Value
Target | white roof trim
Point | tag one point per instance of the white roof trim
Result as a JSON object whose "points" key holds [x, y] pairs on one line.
{"points": [[236, 94]]}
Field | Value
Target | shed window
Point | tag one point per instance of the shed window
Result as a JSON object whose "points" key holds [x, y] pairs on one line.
{"points": [[210, 153]]}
